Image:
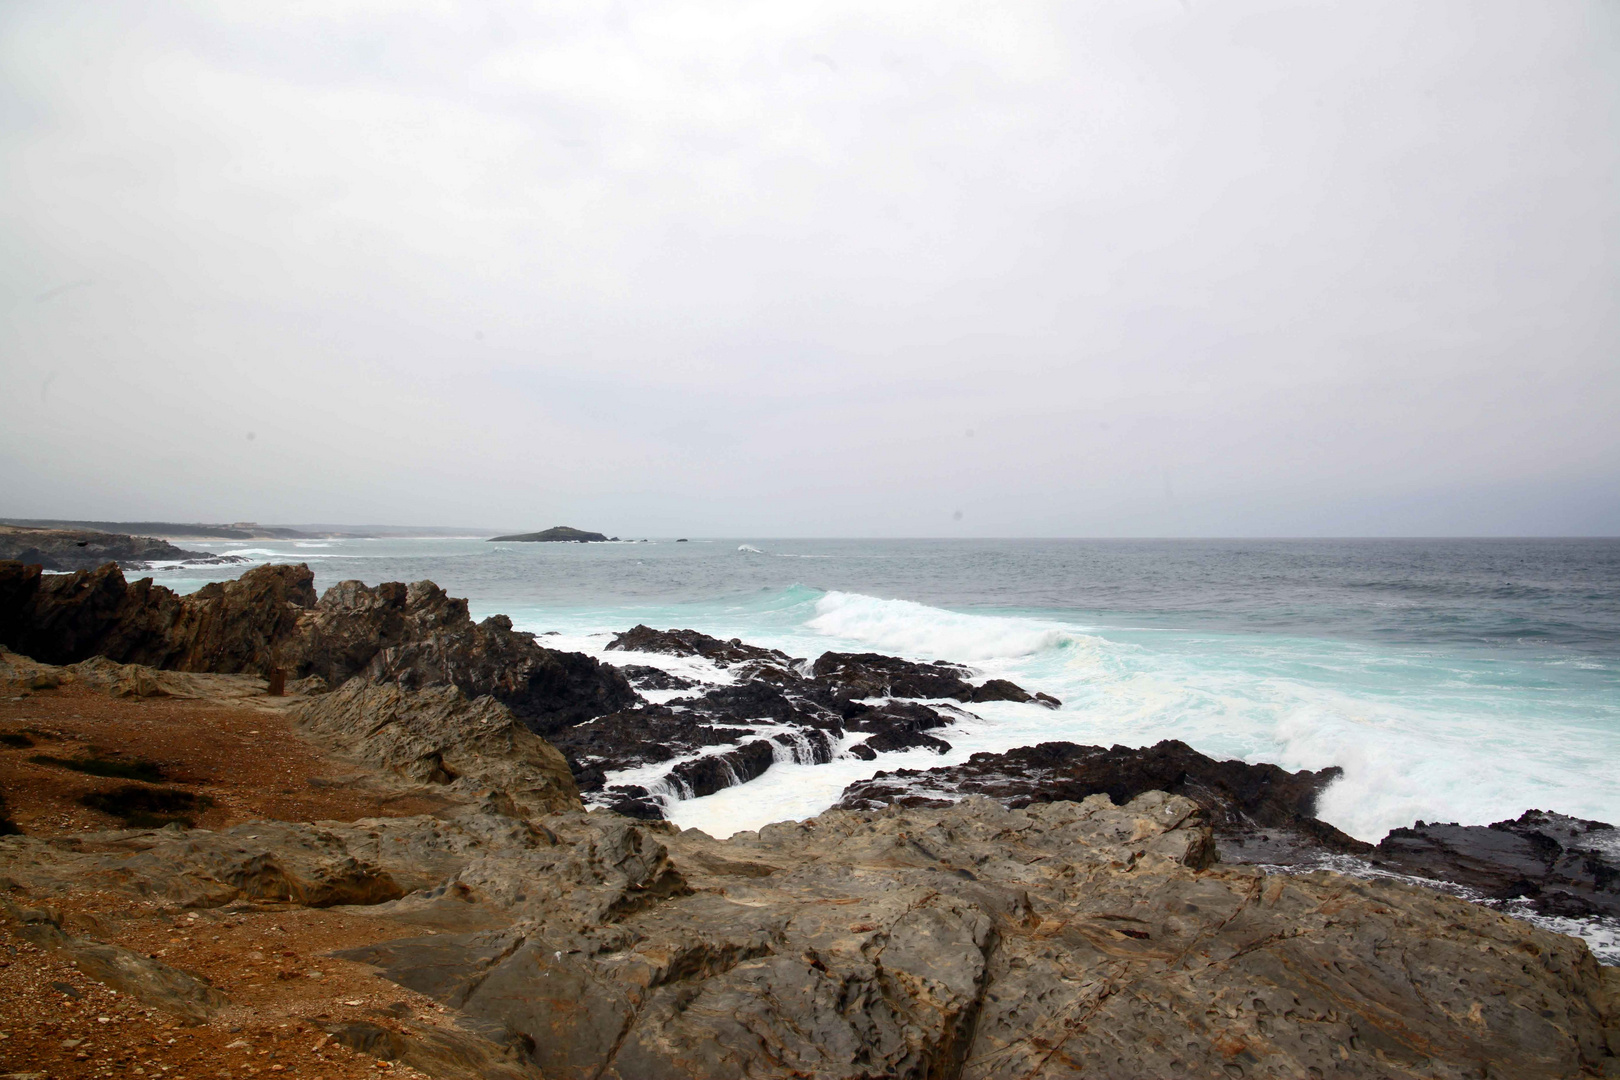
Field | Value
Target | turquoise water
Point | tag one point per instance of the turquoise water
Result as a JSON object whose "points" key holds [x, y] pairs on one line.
{"points": [[1453, 680]]}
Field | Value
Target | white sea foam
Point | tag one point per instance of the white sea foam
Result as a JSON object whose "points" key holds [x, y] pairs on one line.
{"points": [[1418, 735], [918, 630]]}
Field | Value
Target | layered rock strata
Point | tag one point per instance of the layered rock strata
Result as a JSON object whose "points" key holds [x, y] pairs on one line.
{"points": [[1061, 940]]}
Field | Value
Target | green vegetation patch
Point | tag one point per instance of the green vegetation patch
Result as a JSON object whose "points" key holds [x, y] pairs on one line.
{"points": [[134, 769], [143, 807]]}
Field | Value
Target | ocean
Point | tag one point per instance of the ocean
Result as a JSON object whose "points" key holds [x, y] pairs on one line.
{"points": [[1453, 680]]}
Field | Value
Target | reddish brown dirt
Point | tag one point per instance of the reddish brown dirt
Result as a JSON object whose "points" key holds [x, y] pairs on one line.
{"points": [[270, 963], [268, 959], [249, 761]]}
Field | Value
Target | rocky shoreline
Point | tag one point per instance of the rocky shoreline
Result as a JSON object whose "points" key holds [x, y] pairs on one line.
{"points": [[1056, 910], [64, 550]]}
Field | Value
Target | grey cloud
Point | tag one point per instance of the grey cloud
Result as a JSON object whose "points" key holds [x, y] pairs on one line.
{"points": [[1184, 268]]}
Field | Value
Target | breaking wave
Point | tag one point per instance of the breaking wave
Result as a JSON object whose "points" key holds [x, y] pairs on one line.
{"points": [[913, 629]]}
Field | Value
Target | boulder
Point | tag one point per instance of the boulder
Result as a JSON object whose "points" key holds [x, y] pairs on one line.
{"points": [[723, 654], [1560, 865], [417, 636], [1244, 802], [437, 736]]}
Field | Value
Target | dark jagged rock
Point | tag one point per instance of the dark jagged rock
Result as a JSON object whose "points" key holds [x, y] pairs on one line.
{"points": [[86, 549], [1242, 800], [643, 677], [624, 740], [226, 627], [411, 636], [814, 707], [641, 638], [870, 675], [710, 774], [558, 534], [895, 725], [758, 701], [417, 636], [1562, 865]]}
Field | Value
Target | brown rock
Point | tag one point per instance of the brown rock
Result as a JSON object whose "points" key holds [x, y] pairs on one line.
{"points": [[437, 736], [1059, 940]]}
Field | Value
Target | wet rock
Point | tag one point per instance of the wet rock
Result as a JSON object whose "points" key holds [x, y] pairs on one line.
{"points": [[625, 740], [642, 638], [1563, 865], [643, 677], [895, 725], [1243, 801], [869, 675], [803, 715]]}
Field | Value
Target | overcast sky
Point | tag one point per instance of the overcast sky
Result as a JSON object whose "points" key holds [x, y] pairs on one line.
{"points": [[832, 268]]}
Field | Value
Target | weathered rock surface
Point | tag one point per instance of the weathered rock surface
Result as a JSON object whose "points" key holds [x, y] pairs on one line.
{"points": [[416, 636], [86, 549], [1244, 802], [1564, 866], [1060, 940], [555, 534], [445, 1053], [438, 736]]}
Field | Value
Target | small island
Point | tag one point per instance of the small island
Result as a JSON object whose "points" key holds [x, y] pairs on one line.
{"points": [[560, 534]]}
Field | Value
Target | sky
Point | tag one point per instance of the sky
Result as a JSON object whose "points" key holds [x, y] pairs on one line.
{"points": [[1147, 268]]}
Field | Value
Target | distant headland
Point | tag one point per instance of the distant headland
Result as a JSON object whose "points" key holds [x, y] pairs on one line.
{"points": [[560, 534]]}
